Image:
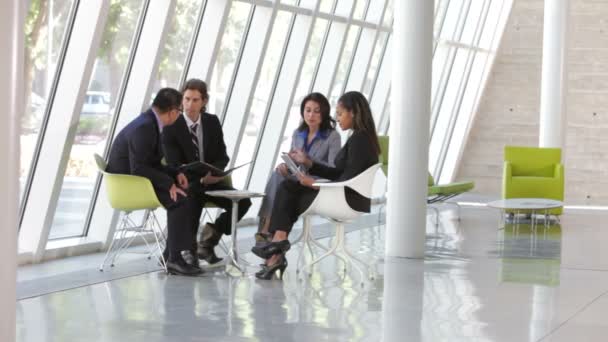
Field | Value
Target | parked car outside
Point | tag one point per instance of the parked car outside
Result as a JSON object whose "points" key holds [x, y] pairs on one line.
{"points": [[96, 103]]}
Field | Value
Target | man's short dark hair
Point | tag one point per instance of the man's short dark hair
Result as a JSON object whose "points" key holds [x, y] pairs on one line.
{"points": [[167, 99]]}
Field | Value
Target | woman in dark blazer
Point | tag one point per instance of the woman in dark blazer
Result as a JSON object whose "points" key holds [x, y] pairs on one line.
{"points": [[358, 154]]}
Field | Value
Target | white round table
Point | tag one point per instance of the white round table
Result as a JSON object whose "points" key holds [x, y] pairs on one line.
{"points": [[235, 196], [533, 205]]}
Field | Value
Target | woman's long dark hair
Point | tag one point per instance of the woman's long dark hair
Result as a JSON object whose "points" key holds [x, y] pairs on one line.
{"points": [[363, 120], [327, 122]]}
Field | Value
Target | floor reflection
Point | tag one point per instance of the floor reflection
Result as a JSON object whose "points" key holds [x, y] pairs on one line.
{"points": [[531, 254], [477, 282]]}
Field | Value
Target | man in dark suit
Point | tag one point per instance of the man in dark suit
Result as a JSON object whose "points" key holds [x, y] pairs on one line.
{"points": [[137, 150], [198, 136]]}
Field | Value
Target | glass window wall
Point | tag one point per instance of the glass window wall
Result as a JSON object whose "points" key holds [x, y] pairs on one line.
{"points": [[243, 90], [45, 30], [95, 117]]}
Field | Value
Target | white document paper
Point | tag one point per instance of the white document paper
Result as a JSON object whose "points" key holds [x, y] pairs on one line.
{"points": [[291, 165]]}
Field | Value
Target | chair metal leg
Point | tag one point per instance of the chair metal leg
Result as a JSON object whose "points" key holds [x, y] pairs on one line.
{"points": [[161, 241], [206, 215], [223, 246], [329, 252], [384, 203], [316, 243], [121, 227], [127, 240], [355, 260], [124, 241], [121, 240], [159, 245], [351, 262], [380, 213], [436, 214], [340, 250], [303, 237], [148, 223], [366, 265], [458, 208], [307, 241], [301, 256]]}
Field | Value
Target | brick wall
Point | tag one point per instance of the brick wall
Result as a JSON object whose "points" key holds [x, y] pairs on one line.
{"points": [[509, 108]]}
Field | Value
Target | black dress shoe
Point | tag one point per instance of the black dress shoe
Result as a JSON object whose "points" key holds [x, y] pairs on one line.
{"points": [[190, 259], [180, 267], [208, 254], [272, 248]]}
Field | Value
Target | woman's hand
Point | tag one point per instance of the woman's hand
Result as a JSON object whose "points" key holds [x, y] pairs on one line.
{"points": [[282, 169], [300, 157], [307, 181]]}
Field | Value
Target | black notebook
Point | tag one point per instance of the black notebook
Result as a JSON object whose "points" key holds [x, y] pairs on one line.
{"points": [[203, 168]]}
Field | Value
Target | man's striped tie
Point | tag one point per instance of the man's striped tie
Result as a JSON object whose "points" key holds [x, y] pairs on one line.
{"points": [[194, 137]]}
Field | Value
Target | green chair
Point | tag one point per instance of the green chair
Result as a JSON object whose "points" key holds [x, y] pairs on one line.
{"points": [[533, 172], [383, 140], [441, 193], [383, 159], [128, 193], [436, 193]]}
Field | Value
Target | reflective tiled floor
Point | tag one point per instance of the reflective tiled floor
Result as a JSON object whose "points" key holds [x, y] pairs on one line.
{"points": [[477, 283]]}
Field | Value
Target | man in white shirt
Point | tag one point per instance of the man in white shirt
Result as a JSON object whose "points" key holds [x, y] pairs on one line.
{"points": [[198, 136]]}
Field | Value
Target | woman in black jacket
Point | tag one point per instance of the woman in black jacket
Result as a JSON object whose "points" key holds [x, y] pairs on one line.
{"points": [[358, 154]]}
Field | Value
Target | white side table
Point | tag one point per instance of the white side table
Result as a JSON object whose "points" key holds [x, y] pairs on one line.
{"points": [[235, 196], [534, 205]]}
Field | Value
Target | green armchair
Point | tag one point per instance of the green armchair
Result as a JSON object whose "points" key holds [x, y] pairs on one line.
{"points": [[533, 172], [441, 193], [436, 193]]}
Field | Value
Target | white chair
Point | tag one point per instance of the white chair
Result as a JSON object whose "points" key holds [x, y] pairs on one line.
{"points": [[308, 241], [331, 204]]}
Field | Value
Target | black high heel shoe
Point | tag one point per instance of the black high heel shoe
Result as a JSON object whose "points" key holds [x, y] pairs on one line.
{"points": [[272, 248], [266, 273]]}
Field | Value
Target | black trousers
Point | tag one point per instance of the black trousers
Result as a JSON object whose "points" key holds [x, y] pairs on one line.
{"points": [[292, 199], [179, 222], [224, 221]]}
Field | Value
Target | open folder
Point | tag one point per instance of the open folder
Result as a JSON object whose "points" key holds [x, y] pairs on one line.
{"points": [[203, 168]]}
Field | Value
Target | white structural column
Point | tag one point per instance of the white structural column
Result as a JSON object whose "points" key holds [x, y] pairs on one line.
{"points": [[399, 299], [11, 95], [554, 74], [409, 130]]}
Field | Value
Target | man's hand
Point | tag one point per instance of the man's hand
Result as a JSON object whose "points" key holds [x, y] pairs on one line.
{"points": [[182, 181], [300, 157], [174, 191], [307, 181], [210, 179], [282, 169]]}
